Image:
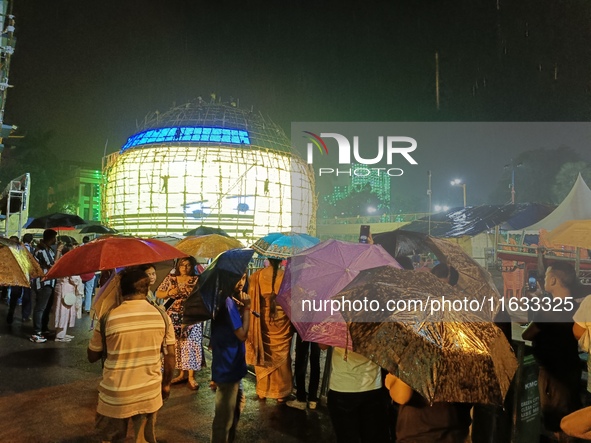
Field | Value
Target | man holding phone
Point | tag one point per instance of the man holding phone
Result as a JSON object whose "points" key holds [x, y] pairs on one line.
{"points": [[556, 350]]}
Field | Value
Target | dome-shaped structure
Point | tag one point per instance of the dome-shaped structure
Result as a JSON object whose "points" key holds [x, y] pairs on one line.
{"points": [[208, 164]]}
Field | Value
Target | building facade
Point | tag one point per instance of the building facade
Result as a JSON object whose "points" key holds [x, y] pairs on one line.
{"points": [[79, 194]]}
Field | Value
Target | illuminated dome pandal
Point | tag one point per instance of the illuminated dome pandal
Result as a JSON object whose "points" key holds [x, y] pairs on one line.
{"points": [[208, 164]]}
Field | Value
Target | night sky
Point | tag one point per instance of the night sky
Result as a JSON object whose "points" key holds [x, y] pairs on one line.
{"points": [[88, 71]]}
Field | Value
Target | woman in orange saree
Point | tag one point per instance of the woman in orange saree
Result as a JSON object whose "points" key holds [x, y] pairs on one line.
{"points": [[269, 337]]}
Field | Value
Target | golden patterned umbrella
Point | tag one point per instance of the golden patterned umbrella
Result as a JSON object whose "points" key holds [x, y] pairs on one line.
{"points": [[207, 246], [473, 281], [444, 354], [18, 264]]}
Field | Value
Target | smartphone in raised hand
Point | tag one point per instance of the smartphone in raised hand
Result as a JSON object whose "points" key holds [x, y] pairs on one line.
{"points": [[364, 234]]}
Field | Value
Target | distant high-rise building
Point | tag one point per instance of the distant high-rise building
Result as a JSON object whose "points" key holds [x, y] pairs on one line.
{"points": [[379, 181], [338, 193], [361, 179]]}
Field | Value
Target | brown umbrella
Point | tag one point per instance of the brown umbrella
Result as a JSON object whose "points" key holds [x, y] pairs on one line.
{"points": [[449, 355], [207, 246], [18, 264], [474, 280]]}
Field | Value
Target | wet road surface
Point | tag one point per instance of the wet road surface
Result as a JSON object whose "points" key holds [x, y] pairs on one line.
{"points": [[48, 393]]}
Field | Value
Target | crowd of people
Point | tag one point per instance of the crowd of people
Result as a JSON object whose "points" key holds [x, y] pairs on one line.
{"points": [[143, 341], [58, 300]]}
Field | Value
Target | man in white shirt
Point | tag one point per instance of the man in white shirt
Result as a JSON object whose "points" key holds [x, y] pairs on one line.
{"points": [[356, 401], [578, 424]]}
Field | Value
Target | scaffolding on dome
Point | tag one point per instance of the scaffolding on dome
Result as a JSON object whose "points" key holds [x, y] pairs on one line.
{"points": [[171, 183]]}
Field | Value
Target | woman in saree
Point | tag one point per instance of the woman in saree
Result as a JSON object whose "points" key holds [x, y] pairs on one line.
{"points": [[269, 337]]}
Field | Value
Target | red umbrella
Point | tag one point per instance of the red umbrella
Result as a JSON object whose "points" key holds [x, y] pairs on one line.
{"points": [[110, 253]]}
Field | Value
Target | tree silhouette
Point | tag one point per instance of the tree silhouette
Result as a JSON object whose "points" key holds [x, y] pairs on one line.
{"points": [[535, 178], [32, 155], [566, 177]]}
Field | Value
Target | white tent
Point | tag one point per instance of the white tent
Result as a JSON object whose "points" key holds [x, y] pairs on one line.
{"points": [[575, 206]]}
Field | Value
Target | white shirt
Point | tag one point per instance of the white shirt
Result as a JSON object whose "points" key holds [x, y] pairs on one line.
{"points": [[356, 374], [583, 318]]}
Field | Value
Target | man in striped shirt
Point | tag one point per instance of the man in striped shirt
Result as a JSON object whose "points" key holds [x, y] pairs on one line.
{"points": [[133, 385]]}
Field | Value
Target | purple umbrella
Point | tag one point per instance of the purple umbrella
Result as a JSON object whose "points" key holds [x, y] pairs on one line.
{"points": [[313, 276]]}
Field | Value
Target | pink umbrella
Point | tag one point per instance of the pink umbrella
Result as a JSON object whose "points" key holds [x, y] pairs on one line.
{"points": [[315, 275]]}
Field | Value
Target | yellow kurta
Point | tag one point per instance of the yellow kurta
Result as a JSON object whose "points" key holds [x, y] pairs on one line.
{"points": [[269, 338]]}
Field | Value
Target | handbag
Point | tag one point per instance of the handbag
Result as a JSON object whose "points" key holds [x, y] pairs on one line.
{"points": [[194, 308], [69, 299]]}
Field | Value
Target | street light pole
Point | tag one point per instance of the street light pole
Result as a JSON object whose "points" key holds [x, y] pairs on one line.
{"points": [[513, 185], [464, 186], [429, 194], [458, 182], [513, 167]]}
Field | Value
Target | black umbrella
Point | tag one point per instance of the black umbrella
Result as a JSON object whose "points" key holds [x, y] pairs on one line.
{"points": [[206, 230], [401, 242], [97, 229], [67, 239], [207, 297], [55, 220]]}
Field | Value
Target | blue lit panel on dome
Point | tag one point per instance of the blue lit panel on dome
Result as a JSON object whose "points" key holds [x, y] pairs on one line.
{"points": [[188, 134]]}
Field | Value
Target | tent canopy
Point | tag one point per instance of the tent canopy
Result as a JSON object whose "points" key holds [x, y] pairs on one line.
{"points": [[575, 206], [472, 221]]}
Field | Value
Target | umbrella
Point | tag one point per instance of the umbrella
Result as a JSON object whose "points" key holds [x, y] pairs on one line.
{"points": [[67, 239], [572, 233], [314, 276], [474, 280], [18, 264], [171, 240], [109, 294], [206, 230], [224, 271], [54, 221], [97, 229], [447, 355], [282, 245], [208, 245], [110, 253]]}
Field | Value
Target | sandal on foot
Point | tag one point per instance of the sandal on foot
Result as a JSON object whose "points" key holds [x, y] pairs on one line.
{"points": [[192, 384], [178, 380]]}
